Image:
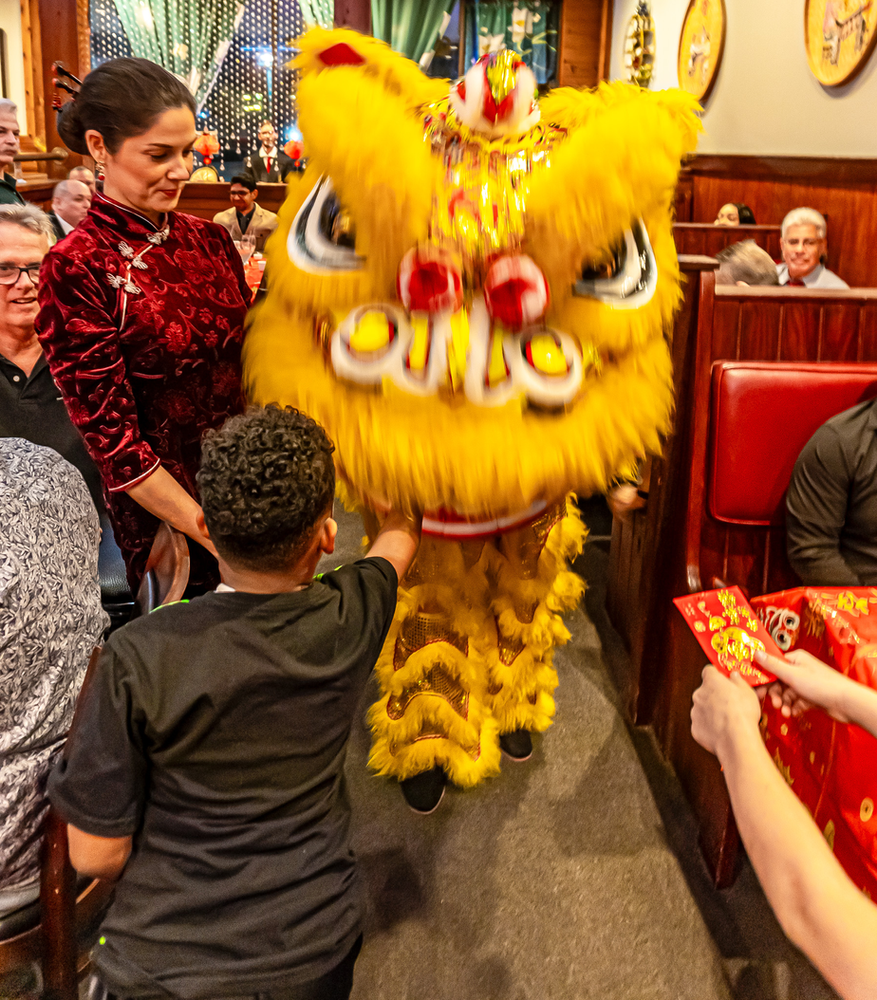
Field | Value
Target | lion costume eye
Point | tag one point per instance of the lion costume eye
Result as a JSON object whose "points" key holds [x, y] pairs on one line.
{"points": [[627, 279], [322, 238]]}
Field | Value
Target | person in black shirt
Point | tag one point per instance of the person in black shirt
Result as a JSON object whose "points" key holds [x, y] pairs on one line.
{"points": [[205, 764], [831, 503], [30, 403]]}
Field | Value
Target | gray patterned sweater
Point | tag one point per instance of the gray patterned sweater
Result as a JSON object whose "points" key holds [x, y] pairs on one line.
{"points": [[50, 619]]}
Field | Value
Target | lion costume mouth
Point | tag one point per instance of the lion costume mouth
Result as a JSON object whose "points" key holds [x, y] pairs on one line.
{"points": [[469, 350]]}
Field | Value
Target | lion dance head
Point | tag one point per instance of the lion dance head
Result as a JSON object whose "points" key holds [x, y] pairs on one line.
{"points": [[470, 290]]}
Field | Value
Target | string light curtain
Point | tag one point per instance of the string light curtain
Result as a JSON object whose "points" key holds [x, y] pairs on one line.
{"points": [[254, 81], [190, 39], [410, 26], [530, 27]]}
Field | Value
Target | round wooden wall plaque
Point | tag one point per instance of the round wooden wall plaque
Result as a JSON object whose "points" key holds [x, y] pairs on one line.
{"points": [[840, 36], [701, 46]]}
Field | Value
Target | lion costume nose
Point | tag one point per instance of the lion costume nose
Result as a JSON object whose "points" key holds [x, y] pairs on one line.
{"points": [[429, 281], [516, 291]]}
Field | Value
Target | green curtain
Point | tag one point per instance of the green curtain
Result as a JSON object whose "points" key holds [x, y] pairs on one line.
{"points": [[530, 27], [410, 26], [317, 12], [191, 39]]}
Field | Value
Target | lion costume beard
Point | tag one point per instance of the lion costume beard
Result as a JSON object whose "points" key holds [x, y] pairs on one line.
{"points": [[486, 424]]}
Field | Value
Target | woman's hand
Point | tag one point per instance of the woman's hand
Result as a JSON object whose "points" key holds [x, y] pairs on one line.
{"points": [[163, 496], [723, 707], [805, 682]]}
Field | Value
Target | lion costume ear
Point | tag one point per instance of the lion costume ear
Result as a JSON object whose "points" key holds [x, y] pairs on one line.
{"points": [[621, 161], [357, 101]]}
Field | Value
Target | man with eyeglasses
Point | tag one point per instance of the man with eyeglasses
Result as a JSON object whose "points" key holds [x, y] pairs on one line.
{"points": [[30, 404], [804, 247]]}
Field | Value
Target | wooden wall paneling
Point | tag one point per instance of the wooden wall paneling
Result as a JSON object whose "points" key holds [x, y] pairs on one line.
{"points": [[32, 51], [868, 334], [725, 329], [644, 554], [585, 39], [759, 326], [606, 15], [800, 332], [83, 37], [683, 198], [59, 22], [839, 338], [709, 239]]}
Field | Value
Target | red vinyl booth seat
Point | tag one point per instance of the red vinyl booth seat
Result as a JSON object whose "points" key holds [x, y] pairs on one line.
{"points": [[763, 413]]}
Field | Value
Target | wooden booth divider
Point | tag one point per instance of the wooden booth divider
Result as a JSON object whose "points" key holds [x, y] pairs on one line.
{"points": [[706, 239], [678, 548]]}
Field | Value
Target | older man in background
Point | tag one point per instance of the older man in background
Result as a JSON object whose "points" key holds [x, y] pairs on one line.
{"points": [[70, 204], [83, 174], [804, 245], [9, 148], [30, 404]]}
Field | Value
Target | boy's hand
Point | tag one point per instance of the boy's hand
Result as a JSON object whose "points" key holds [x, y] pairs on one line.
{"points": [[806, 682], [723, 707], [398, 539]]}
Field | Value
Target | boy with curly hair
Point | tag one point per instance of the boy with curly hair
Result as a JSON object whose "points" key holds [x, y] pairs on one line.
{"points": [[205, 766]]}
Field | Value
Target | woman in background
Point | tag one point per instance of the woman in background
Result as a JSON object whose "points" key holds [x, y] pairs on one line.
{"points": [[734, 214], [142, 309]]}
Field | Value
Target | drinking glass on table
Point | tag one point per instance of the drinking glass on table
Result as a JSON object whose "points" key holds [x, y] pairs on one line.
{"points": [[247, 246]]}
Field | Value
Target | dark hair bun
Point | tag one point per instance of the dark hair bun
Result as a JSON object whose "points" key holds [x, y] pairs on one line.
{"points": [[71, 129], [121, 98]]}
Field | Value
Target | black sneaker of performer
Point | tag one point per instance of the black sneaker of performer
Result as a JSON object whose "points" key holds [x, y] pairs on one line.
{"points": [[424, 791], [517, 746]]}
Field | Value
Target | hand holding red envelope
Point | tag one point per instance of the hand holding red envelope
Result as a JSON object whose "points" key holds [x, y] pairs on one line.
{"points": [[729, 632]]}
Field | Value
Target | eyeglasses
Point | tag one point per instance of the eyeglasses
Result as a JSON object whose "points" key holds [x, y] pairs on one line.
{"points": [[10, 273]]}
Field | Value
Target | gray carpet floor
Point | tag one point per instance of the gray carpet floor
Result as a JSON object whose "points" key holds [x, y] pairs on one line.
{"points": [[572, 876]]}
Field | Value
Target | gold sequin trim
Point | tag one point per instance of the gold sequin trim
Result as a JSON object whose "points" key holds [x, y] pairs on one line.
{"points": [[828, 833], [473, 750], [866, 810], [419, 630], [509, 649], [437, 682], [545, 522]]}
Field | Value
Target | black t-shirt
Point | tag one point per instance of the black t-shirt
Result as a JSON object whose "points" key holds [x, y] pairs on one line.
{"points": [[215, 732], [31, 408]]}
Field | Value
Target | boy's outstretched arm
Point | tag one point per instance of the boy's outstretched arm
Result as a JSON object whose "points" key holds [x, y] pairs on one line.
{"points": [[98, 857], [398, 540], [817, 905]]}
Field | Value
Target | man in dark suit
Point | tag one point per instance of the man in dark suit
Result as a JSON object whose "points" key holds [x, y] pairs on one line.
{"points": [[269, 165], [71, 201]]}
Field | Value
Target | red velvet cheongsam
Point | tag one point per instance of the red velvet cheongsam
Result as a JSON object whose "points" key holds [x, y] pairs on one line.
{"points": [[142, 328]]}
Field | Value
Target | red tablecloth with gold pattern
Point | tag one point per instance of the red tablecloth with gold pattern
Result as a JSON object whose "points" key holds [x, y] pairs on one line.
{"points": [[831, 766]]}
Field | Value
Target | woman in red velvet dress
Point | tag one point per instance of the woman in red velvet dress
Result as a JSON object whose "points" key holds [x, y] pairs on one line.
{"points": [[142, 309]]}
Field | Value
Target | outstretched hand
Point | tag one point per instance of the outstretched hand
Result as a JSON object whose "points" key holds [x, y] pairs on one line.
{"points": [[805, 682], [722, 708]]}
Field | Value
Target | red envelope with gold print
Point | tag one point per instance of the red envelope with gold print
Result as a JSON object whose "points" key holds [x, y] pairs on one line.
{"points": [[729, 632]]}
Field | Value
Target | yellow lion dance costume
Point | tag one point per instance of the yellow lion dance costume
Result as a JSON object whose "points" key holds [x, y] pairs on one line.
{"points": [[470, 293]]}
